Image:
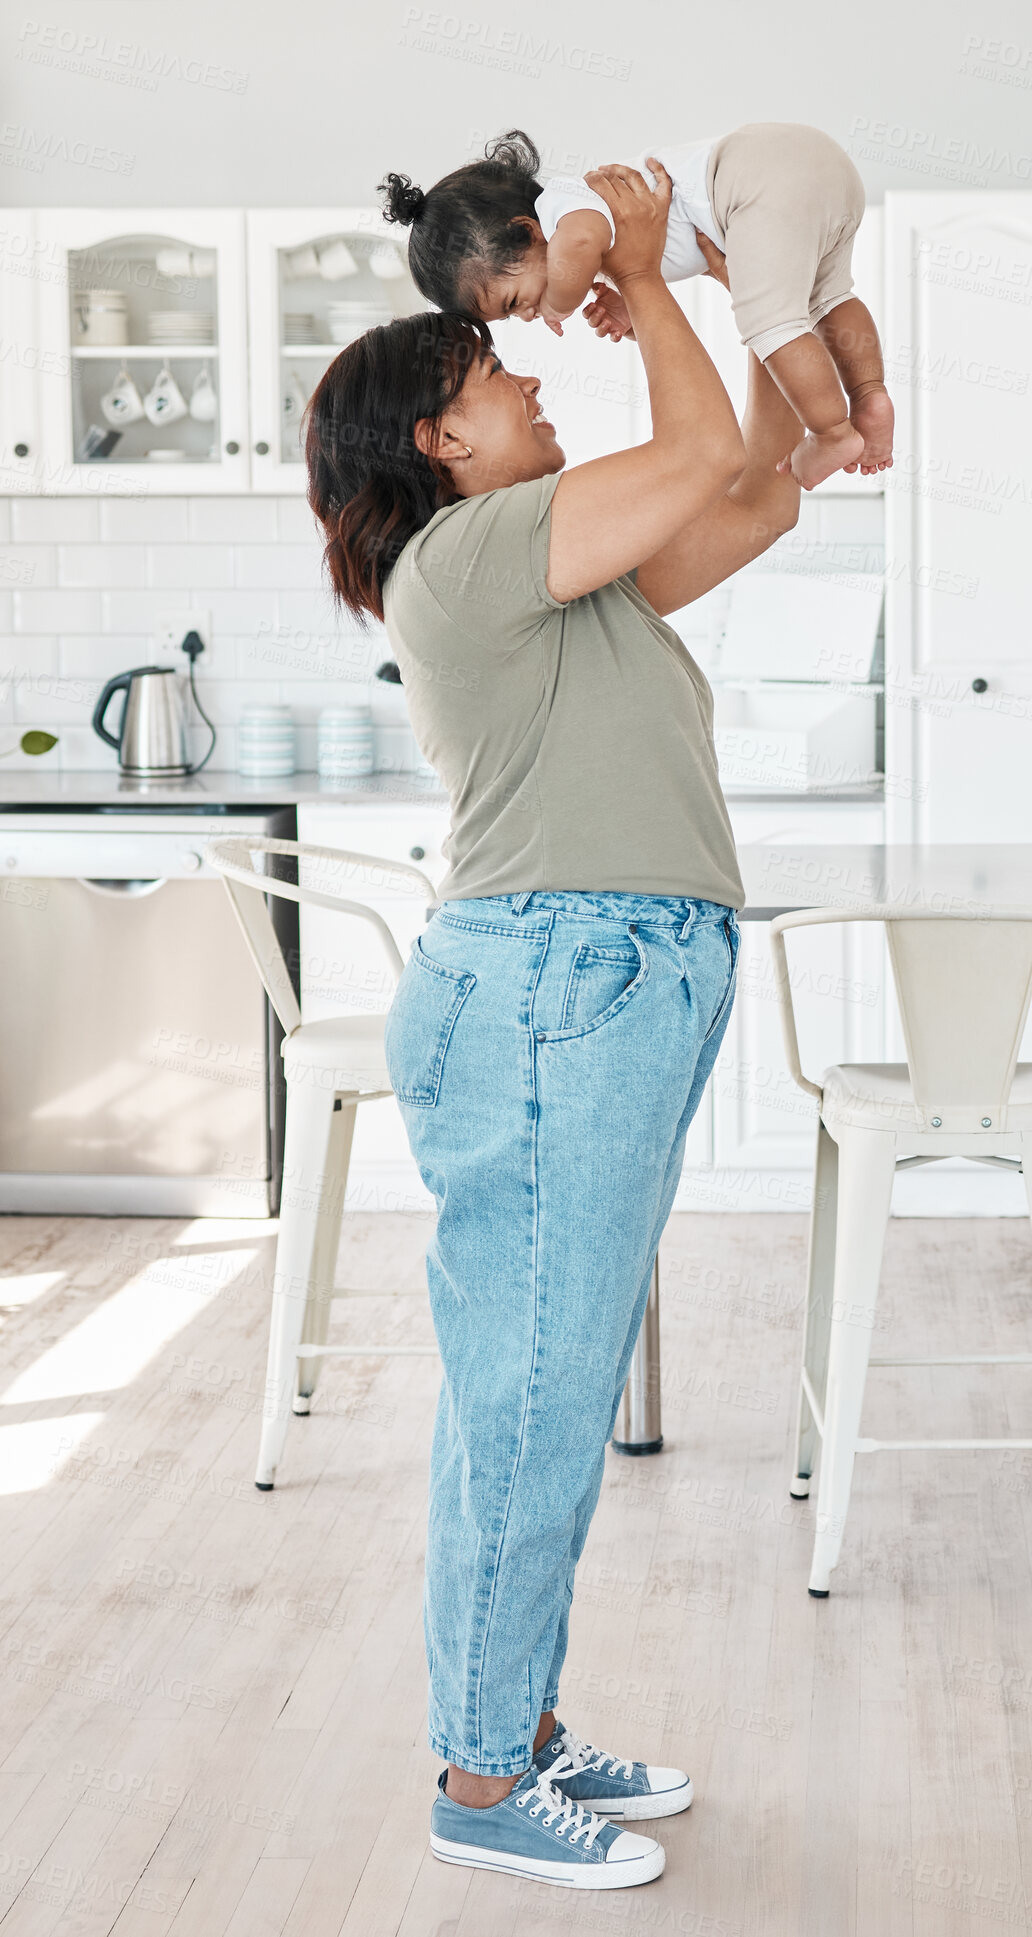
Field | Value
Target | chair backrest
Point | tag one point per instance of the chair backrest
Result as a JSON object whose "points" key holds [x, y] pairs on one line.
{"points": [[248, 885], [963, 984]]}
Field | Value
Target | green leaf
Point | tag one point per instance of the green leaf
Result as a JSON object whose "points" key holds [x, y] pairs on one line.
{"points": [[37, 741]]}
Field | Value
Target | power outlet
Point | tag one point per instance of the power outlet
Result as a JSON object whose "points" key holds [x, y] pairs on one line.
{"points": [[172, 628]]}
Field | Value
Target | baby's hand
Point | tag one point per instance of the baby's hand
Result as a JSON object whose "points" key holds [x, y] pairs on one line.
{"points": [[555, 318], [607, 313]]}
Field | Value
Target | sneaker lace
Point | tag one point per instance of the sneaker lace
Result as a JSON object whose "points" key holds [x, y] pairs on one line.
{"points": [[584, 1755], [583, 1824]]}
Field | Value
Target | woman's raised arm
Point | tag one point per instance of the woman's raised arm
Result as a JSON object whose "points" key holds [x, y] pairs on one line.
{"points": [[615, 512]]}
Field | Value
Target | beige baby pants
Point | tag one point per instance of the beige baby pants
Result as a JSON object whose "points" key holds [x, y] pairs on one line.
{"points": [[789, 202]]}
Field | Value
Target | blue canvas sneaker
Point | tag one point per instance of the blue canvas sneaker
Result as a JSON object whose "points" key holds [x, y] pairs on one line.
{"points": [[608, 1785], [536, 1832]]}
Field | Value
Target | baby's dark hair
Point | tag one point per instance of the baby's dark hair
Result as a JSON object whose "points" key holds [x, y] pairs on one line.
{"points": [[470, 226]]}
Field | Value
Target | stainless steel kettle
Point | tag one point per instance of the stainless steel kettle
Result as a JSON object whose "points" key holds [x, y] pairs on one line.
{"points": [[151, 738]]}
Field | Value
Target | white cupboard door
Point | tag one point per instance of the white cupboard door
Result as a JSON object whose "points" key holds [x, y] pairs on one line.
{"points": [[707, 305], [23, 363], [146, 307], [317, 278], [958, 713]]}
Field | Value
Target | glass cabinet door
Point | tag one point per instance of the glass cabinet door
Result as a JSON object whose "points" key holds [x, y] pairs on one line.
{"points": [[318, 278], [149, 319]]}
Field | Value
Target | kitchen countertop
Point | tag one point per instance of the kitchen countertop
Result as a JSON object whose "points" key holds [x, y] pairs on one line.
{"points": [[25, 788]]}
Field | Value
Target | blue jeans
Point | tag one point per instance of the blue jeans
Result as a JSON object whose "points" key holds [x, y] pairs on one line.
{"points": [[548, 1052]]}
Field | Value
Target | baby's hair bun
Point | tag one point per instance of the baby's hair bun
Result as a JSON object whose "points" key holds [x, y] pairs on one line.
{"points": [[403, 201]]}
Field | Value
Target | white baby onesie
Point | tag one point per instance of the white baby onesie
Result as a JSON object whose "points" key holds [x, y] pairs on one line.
{"points": [[689, 207]]}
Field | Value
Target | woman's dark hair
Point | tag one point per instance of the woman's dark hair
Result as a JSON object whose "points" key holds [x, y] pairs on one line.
{"points": [[472, 225], [369, 485]]}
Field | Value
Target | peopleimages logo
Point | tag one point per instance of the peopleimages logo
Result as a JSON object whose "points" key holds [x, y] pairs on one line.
{"points": [[129, 60]]}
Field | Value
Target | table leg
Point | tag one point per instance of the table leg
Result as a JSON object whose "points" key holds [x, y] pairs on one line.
{"points": [[639, 1426]]}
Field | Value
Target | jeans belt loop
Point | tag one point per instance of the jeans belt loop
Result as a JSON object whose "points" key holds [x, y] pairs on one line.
{"points": [[686, 926], [521, 901]]}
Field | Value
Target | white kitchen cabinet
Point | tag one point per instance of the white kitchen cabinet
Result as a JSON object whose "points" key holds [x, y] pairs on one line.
{"points": [[316, 279], [763, 1124], [180, 275], [958, 644], [23, 360]]}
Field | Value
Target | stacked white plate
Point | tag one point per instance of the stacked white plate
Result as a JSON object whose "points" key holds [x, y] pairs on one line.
{"points": [[265, 741], [348, 320], [186, 326], [345, 742], [299, 326]]}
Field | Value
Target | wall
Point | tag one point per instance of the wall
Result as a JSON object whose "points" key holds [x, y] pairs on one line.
{"points": [[123, 102]]}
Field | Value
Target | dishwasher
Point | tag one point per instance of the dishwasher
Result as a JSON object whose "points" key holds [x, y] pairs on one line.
{"points": [[140, 1072]]}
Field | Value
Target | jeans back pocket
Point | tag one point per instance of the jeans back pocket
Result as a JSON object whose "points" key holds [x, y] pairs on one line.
{"points": [[419, 1025]]}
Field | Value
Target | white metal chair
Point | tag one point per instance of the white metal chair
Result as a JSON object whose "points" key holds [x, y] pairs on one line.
{"points": [[963, 984], [330, 1067]]}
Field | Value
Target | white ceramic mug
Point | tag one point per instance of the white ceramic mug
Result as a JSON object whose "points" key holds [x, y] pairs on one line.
{"points": [[122, 404], [336, 261], [164, 402], [204, 402], [298, 263]]}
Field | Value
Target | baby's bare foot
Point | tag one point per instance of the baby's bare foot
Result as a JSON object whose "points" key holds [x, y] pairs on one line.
{"points": [[821, 453], [873, 416]]}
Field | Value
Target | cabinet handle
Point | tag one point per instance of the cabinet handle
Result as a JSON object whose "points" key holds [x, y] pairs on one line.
{"points": [[21, 450], [232, 449], [979, 685], [262, 449], [417, 853]]}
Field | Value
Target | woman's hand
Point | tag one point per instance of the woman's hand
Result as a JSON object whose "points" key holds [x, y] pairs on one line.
{"points": [[716, 262], [607, 313], [639, 217]]}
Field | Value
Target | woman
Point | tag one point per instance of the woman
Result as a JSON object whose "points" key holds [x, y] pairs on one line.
{"points": [[557, 1021]]}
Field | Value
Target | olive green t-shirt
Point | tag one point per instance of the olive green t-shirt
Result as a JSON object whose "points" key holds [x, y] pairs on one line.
{"points": [[575, 741]]}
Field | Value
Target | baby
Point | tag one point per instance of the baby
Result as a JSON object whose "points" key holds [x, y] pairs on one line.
{"points": [[782, 201]]}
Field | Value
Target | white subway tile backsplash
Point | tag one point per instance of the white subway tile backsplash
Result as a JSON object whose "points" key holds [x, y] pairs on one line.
{"points": [[82, 751], [278, 566], [188, 568], [50, 700], [296, 522], [63, 610], [139, 613], [23, 657], [310, 613], [96, 657], [89, 584], [232, 521], [28, 565], [306, 698], [142, 521], [103, 565], [68, 521], [240, 613]]}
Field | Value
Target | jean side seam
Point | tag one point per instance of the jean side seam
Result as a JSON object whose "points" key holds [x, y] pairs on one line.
{"points": [[486, 1627]]}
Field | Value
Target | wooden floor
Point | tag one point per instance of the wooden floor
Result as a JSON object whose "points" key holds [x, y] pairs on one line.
{"points": [[213, 1699]]}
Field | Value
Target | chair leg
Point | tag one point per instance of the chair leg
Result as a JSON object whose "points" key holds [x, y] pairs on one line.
{"points": [[867, 1160], [330, 1210], [307, 1145], [820, 1279]]}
